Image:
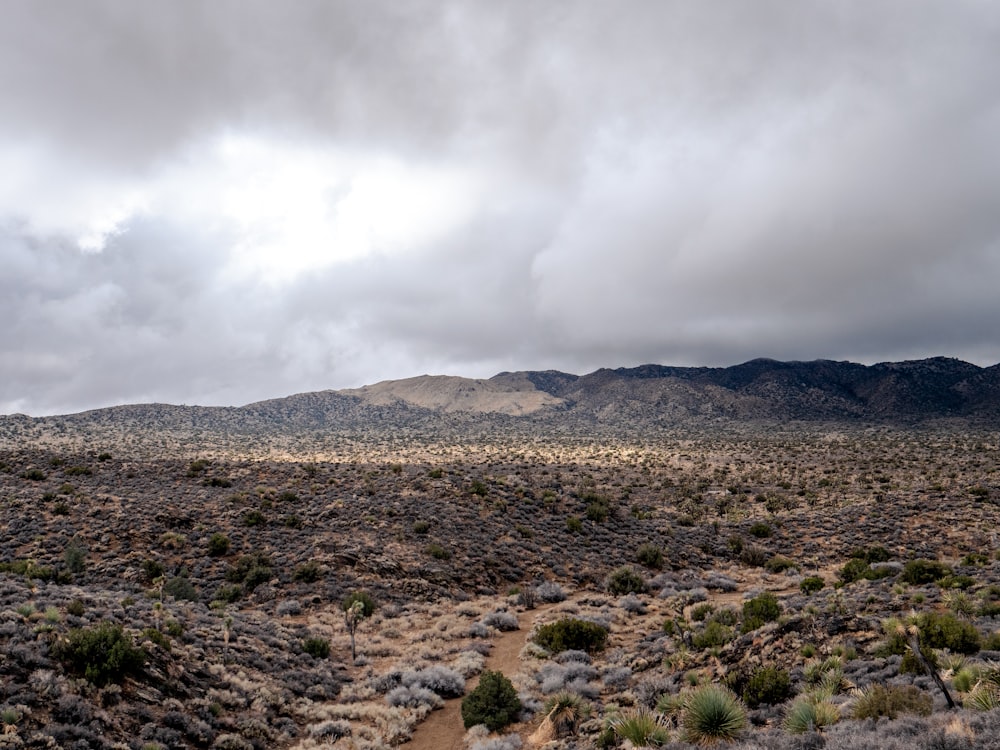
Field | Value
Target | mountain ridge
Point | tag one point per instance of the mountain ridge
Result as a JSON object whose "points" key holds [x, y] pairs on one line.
{"points": [[625, 399]]}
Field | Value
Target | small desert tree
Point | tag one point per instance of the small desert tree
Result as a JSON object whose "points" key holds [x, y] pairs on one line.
{"points": [[357, 606]]}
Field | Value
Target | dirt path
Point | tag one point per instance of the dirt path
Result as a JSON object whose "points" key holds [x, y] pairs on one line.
{"points": [[443, 729]]}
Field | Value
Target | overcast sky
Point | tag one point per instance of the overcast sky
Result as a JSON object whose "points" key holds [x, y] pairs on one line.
{"points": [[222, 201]]}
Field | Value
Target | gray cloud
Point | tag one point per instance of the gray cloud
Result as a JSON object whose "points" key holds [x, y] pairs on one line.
{"points": [[684, 182]]}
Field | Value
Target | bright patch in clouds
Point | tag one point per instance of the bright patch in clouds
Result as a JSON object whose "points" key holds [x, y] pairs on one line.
{"points": [[296, 209]]}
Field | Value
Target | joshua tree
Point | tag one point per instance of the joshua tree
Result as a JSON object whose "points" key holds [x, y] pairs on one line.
{"points": [[357, 606]]}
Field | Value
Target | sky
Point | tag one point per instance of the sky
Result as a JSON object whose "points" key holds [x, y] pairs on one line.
{"points": [[218, 202]]}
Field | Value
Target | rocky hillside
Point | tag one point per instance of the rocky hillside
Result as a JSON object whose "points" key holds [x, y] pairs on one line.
{"points": [[639, 400]]}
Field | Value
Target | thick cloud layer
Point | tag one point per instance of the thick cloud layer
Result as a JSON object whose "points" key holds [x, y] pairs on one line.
{"points": [[216, 202]]}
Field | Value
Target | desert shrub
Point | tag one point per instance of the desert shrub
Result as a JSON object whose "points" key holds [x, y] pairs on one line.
{"points": [[649, 555], [765, 685], [494, 703], [625, 580], [438, 552], [75, 608], [641, 727], [890, 701], [809, 713], [713, 635], [102, 653], [754, 556], [316, 647], [944, 630], [413, 697], [421, 527], [711, 713], [229, 593], [504, 621], [218, 544], [956, 582], [762, 609], [179, 587], [571, 633], [442, 681], [550, 592], [811, 584], [701, 611], [922, 571], [254, 518], [597, 509], [854, 570], [331, 730], [873, 554], [761, 530], [288, 607], [155, 636], [574, 525], [307, 572], [779, 564], [250, 570], [151, 569], [75, 557], [35, 475]]}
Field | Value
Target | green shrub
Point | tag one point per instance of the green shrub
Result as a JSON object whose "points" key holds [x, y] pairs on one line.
{"points": [[254, 518], [151, 569], [700, 612], [642, 727], [597, 509], [567, 711], [713, 635], [768, 685], [944, 630], [75, 608], [102, 654], [318, 648], [625, 580], [574, 525], [250, 570], [35, 475], [218, 544], [855, 569], [874, 554], [779, 564], [890, 701], [649, 555], [180, 587], [438, 552], [229, 593], [922, 571], [421, 527], [761, 609], [811, 584], [571, 634], [155, 636], [494, 703], [307, 572], [712, 713], [809, 713], [761, 530]]}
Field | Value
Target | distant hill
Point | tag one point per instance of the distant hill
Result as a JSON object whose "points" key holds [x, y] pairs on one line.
{"points": [[623, 400]]}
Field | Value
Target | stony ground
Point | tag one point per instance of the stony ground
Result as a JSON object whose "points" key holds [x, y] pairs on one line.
{"points": [[228, 568]]}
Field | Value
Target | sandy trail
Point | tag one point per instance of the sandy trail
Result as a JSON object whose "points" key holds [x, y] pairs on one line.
{"points": [[443, 729]]}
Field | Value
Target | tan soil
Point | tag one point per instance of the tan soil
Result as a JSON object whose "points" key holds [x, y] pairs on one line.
{"points": [[443, 729]]}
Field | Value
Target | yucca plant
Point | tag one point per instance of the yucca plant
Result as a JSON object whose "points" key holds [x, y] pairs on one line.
{"points": [[566, 710], [712, 713], [641, 727], [985, 696], [810, 713]]}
